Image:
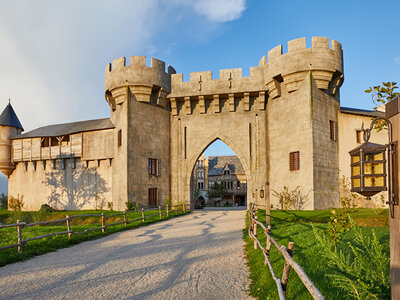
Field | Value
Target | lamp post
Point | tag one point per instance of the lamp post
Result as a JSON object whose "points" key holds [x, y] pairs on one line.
{"points": [[368, 167]]}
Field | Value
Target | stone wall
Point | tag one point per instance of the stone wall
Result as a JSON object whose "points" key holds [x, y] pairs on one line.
{"points": [[290, 130], [325, 108]]}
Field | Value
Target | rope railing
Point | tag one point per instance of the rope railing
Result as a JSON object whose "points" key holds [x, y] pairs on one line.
{"points": [[19, 225], [287, 254]]}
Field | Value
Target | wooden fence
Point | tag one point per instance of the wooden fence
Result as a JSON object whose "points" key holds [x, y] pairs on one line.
{"points": [[103, 227], [287, 254]]}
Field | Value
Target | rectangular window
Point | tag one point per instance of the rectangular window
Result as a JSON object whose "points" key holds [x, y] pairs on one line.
{"points": [[200, 185], [45, 142], [65, 140], [332, 125], [153, 196], [153, 166], [359, 136], [119, 138], [294, 161], [54, 141]]}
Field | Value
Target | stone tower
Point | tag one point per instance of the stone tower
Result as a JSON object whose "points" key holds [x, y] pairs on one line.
{"points": [[9, 126], [137, 94]]}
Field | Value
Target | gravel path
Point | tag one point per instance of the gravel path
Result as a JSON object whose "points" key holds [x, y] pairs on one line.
{"points": [[197, 256]]}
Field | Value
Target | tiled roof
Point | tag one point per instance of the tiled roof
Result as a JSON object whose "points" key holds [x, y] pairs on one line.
{"points": [[9, 118], [363, 112], [216, 165], [68, 128]]}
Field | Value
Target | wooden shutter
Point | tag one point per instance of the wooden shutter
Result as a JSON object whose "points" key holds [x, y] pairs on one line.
{"points": [[359, 136], [119, 138], [294, 161], [153, 166], [153, 196]]}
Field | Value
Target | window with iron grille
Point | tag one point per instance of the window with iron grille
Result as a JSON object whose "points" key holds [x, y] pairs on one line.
{"points": [[332, 125], [294, 161], [153, 196], [153, 166]]}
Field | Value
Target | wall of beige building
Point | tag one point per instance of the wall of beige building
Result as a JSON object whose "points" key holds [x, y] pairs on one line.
{"points": [[81, 179], [347, 129], [86, 186]]}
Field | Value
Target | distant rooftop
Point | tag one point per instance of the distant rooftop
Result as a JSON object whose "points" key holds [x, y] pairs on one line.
{"points": [[216, 165], [362, 112], [68, 128], [9, 118]]}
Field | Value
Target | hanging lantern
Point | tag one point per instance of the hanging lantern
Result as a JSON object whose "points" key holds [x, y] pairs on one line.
{"points": [[368, 169]]}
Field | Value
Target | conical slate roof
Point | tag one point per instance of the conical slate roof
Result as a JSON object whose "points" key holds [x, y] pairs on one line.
{"points": [[9, 118]]}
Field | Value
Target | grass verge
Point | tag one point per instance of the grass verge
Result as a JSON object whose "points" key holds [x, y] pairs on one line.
{"points": [[296, 226], [8, 236]]}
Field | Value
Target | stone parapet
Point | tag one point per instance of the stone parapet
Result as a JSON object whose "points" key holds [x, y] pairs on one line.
{"points": [[141, 79], [288, 68]]}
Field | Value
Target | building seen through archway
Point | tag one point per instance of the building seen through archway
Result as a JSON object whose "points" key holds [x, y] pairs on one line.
{"points": [[219, 181]]}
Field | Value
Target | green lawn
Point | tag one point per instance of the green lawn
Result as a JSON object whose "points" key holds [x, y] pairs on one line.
{"points": [[296, 226], [8, 236]]}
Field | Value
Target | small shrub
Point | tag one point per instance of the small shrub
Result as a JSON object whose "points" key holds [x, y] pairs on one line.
{"points": [[291, 199], [110, 205], [46, 208], [132, 205], [361, 268], [16, 203], [339, 223]]}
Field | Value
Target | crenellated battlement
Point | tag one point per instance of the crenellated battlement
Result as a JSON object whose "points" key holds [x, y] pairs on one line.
{"points": [[290, 68], [138, 62], [141, 78]]}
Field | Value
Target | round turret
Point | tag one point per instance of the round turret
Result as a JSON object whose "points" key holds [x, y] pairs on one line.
{"points": [[9, 127]]}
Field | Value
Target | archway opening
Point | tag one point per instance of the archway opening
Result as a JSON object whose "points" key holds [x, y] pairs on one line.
{"points": [[218, 178]]}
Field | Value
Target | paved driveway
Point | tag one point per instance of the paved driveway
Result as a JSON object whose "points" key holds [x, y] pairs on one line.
{"points": [[197, 256]]}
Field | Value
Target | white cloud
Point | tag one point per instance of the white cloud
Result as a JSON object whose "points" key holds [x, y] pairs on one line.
{"points": [[221, 10], [53, 53]]}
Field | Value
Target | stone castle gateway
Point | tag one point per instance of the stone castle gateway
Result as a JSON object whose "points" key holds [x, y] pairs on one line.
{"points": [[283, 121]]}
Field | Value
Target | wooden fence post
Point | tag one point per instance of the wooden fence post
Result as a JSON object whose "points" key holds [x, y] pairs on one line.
{"points": [[159, 210], [125, 222], [19, 227], [103, 223], [167, 211], [268, 243], [68, 226], [142, 214], [255, 232], [286, 269]]}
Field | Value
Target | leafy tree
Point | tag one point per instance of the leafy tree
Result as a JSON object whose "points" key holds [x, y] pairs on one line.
{"points": [[217, 190], [4, 200], [196, 193], [382, 95]]}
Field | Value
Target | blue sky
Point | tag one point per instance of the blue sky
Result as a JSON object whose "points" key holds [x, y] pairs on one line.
{"points": [[53, 54]]}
